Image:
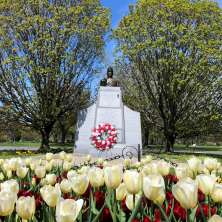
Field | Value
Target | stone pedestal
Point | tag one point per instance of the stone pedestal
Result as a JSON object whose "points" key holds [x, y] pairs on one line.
{"points": [[108, 108]]}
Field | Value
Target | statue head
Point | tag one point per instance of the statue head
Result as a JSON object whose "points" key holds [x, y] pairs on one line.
{"points": [[109, 72]]}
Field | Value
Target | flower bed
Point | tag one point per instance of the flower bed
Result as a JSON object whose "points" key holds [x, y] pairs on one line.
{"points": [[153, 190]]}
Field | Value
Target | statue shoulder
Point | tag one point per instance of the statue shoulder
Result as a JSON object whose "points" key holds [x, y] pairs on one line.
{"points": [[103, 82]]}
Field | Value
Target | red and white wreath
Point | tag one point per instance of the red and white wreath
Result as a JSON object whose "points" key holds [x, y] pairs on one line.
{"points": [[104, 136]]}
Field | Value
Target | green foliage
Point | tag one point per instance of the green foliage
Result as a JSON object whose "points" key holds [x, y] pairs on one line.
{"points": [[173, 51], [48, 53]]}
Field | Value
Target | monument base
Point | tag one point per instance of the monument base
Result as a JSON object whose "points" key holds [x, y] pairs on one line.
{"points": [[121, 150]]}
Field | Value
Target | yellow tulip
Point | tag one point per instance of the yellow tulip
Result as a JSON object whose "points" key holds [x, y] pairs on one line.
{"points": [[216, 194], [66, 186], [121, 191], [51, 178], [80, 184], [113, 176], [215, 218], [154, 188], [68, 210], [10, 186], [21, 172], [40, 171], [133, 181], [206, 183], [25, 207], [7, 202], [185, 192], [50, 194], [96, 177]]}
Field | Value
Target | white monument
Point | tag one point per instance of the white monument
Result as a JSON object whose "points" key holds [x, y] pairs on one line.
{"points": [[109, 108]]}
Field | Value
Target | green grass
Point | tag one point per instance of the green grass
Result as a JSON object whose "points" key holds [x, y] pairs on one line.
{"points": [[22, 143], [34, 144], [183, 147], [22, 154]]}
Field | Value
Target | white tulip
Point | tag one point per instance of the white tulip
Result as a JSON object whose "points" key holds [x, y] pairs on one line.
{"points": [[133, 181], [71, 174], [216, 194], [25, 207], [130, 202], [10, 186], [50, 194], [211, 163], [113, 176], [40, 171], [80, 184], [121, 191], [194, 164], [21, 172], [185, 192], [68, 210], [65, 186], [154, 188], [7, 202], [51, 178], [96, 178], [206, 183], [49, 156]]}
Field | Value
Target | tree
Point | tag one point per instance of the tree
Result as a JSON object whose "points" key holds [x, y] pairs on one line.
{"points": [[173, 49], [67, 122], [49, 51]]}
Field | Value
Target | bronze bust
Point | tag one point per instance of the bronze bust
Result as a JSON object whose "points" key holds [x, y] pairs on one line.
{"points": [[109, 81]]}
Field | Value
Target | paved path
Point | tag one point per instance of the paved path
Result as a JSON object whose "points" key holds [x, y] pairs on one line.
{"points": [[18, 148], [197, 152]]}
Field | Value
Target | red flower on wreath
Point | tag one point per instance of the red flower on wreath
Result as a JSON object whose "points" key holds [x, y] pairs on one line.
{"points": [[104, 136]]}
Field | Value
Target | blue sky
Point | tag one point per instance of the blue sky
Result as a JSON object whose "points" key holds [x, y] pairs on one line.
{"points": [[119, 8]]}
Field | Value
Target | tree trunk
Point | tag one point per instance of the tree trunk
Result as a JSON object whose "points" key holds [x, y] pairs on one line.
{"points": [[170, 140], [146, 137], [63, 136], [45, 140]]}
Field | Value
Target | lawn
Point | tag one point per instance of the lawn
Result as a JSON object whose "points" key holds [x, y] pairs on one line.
{"points": [[34, 144]]}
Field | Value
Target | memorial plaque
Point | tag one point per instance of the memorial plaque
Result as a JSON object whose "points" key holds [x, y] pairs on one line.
{"points": [[110, 115], [108, 99]]}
